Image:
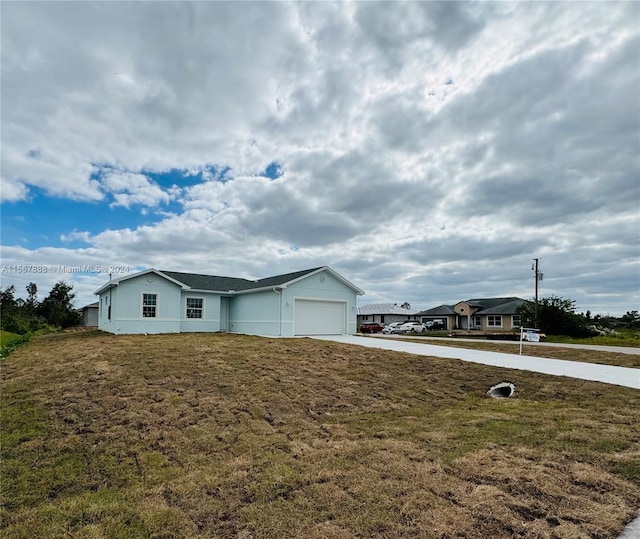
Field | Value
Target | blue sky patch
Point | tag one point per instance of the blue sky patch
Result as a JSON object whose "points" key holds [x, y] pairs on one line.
{"points": [[274, 170], [23, 225]]}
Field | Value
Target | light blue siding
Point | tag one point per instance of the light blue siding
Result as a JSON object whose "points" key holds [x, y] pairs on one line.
{"points": [[126, 311], [256, 313]]}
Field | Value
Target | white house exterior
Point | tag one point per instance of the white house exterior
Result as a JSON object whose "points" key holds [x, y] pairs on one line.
{"points": [[90, 315], [316, 301], [386, 313]]}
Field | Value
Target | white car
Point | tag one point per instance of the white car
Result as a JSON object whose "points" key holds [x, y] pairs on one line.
{"points": [[392, 328], [412, 327]]}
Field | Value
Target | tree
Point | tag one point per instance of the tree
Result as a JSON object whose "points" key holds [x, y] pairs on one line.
{"points": [[556, 316], [31, 304], [57, 308], [8, 302], [15, 316], [631, 319]]}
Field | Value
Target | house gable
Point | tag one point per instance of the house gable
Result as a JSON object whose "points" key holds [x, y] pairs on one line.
{"points": [[465, 308], [148, 272]]}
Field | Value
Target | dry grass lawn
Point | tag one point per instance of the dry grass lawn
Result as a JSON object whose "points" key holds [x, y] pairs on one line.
{"points": [[228, 436]]}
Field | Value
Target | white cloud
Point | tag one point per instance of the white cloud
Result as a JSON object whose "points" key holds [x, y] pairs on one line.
{"points": [[134, 189], [429, 149]]}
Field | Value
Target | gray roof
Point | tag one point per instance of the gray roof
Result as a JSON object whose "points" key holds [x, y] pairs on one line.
{"points": [[507, 306], [487, 306], [385, 308], [490, 303], [199, 281], [215, 283], [441, 310]]}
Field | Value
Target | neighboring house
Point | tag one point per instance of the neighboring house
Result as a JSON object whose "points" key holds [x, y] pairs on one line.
{"points": [[90, 314], [309, 302], [486, 314], [386, 313]]}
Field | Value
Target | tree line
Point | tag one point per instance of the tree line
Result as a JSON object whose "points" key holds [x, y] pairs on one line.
{"points": [[21, 316], [555, 315]]}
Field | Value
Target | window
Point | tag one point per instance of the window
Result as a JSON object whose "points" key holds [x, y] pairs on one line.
{"points": [[494, 320], [516, 321], [149, 305], [194, 307], [477, 321]]}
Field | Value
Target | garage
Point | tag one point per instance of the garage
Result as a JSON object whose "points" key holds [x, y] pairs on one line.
{"points": [[318, 317]]}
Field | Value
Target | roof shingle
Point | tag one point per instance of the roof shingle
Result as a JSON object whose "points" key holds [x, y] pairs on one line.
{"points": [[216, 283]]}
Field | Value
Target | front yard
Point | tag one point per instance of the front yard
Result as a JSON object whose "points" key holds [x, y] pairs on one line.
{"points": [[209, 435]]}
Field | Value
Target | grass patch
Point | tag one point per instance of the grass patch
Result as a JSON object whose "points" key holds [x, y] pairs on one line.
{"points": [[622, 337], [210, 435], [13, 343], [6, 337]]}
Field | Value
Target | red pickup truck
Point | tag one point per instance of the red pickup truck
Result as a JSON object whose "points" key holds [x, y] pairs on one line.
{"points": [[373, 327]]}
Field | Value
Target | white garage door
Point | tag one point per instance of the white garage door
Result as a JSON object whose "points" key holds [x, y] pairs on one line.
{"points": [[319, 317]]}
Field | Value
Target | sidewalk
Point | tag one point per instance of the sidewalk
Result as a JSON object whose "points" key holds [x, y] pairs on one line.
{"points": [[621, 376]]}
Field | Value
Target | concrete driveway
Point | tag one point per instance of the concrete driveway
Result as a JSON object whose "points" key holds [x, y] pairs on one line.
{"points": [[621, 376]]}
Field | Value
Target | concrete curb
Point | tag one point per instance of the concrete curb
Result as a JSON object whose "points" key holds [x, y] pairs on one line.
{"points": [[632, 531]]}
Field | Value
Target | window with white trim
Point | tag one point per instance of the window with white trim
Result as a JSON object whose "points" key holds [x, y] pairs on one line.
{"points": [[516, 321], [149, 305], [194, 307], [477, 321], [494, 320]]}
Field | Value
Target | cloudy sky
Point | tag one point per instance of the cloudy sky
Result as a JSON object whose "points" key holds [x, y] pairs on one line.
{"points": [[426, 151]]}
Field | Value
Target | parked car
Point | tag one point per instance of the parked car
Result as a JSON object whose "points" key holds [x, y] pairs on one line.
{"points": [[373, 327], [412, 327], [392, 328], [434, 324]]}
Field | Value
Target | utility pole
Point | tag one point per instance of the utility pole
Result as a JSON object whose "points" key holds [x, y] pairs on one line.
{"points": [[538, 278]]}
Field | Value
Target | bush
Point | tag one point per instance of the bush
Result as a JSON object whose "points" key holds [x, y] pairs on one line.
{"points": [[13, 344]]}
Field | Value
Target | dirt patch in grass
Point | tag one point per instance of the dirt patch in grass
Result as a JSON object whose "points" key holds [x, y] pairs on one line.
{"points": [[205, 435], [554, 352]]}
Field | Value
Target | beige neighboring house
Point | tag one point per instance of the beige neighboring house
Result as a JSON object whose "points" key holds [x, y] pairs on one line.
{"points": [[386, 313], [483, 314]]}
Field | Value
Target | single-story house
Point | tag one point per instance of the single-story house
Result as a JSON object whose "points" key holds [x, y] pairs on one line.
{"points": [[386, 313], [485, 314], [90, 314], [310, 302]]}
